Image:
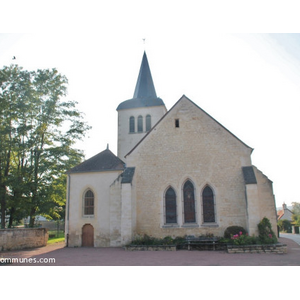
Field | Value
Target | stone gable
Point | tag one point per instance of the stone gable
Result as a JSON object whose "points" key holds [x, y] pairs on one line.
{"points": [[197, 148]]}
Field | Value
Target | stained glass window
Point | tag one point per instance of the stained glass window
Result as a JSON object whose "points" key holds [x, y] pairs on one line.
{"points": [[208, 205], [189, 203], [170, 203]]}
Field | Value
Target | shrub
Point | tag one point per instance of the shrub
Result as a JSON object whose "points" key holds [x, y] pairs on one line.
{"points": [[149, 240], [167, 240], [144, 240], [266, 234], [243, 239], [179, 240], [233, 230]]}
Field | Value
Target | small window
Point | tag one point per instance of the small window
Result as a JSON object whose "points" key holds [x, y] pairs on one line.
{"points": [[148, 122], [177, 123], [131, 125], [140, 124], [89, 203]]}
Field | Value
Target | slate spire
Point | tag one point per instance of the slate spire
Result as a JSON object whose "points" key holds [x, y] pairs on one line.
{"points": [[144, 87], [144, 93]]}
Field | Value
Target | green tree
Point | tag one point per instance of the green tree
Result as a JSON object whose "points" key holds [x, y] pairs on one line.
{"points": [[296, 214], [284, 225], [38, 132], [11, 82]]}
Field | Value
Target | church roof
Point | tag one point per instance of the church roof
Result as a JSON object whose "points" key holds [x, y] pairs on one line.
{"points": [[103, 161], [144, 93]]}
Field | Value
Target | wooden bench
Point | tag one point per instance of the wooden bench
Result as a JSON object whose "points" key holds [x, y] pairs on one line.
{"points": [[201, 241]]}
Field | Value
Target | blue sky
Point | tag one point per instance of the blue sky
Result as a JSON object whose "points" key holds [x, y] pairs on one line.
{"points": [[248, 82]]}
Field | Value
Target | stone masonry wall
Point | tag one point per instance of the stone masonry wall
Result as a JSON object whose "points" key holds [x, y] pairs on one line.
{"points": [[13, 239], [200, 150], [267, 206], [276, 248]]}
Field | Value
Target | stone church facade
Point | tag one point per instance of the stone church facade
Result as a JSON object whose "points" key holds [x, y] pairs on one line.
{"points": [[178, 172]]}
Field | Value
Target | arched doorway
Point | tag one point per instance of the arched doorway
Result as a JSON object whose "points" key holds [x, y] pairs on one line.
{"points": [[87, 235]]}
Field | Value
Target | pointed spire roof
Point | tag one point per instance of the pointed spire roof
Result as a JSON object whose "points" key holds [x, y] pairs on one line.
{"points": [[144, 87], [144, 93]]}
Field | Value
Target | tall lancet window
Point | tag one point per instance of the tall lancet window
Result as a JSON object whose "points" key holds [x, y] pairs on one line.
{"points": [[89, 203], [148, 122], [208, 205], [189, 203], [131, 125], [140, 124], [170, 206]]}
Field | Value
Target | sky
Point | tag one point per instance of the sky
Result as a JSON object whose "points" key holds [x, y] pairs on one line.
{"points": [[249, 82]]}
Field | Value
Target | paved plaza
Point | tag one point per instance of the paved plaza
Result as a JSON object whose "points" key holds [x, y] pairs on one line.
{"points": [[119, 257]]}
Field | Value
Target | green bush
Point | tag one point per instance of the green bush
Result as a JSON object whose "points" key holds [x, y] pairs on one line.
{"points": [[149, 240], [243, 239], [266, 234], [233, 230], [285, 226]]}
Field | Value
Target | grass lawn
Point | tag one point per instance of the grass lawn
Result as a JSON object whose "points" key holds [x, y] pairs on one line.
{"points": [[55, 238]]}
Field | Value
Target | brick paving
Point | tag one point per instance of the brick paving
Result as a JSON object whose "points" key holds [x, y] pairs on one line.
{"points": [[119, 257]]}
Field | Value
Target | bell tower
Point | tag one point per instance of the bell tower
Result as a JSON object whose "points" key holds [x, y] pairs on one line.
{"points": [[137, 116]]}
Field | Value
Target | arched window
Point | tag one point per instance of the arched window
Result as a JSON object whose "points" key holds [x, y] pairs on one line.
{"points": [[208, 205], [170, 206], [131, 125], [189, 203], [140, 124], [148, 122], [89, 203]]}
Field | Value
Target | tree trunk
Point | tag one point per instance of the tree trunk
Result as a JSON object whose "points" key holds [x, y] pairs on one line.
{"points": [[2, 212], [11, 217], [3, 205], [32, 218]]}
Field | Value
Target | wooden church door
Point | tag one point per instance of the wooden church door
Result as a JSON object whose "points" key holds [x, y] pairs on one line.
{"points": [[87, 235]]}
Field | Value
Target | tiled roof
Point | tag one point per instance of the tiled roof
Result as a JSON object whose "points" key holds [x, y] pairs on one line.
{"points": [[280, 214], [103, 161]]}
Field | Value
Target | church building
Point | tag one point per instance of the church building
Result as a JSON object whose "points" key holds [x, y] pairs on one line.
{"points": [[177, 172]]}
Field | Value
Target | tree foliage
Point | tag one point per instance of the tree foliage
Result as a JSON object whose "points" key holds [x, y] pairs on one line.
{"points": [[296, 214], [284, 225], [38, 131]]}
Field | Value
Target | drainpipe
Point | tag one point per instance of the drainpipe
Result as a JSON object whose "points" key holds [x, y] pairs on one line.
{"points": [[68, 210]]}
